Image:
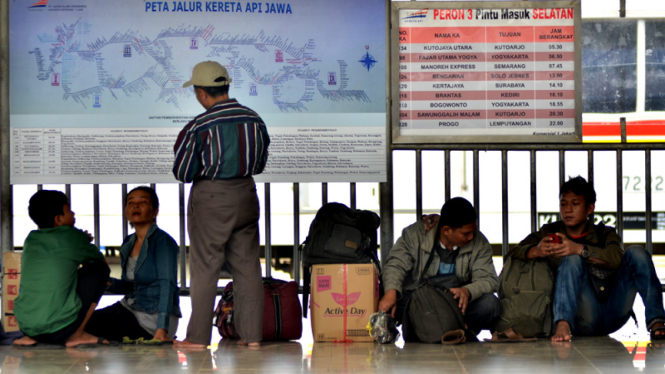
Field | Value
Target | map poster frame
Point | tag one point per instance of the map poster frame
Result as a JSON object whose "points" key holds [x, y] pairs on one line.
{"points": [[434, 128], [95, 88]]}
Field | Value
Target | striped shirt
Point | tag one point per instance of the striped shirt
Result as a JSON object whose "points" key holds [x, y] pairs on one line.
{"points": [[227, 141]]}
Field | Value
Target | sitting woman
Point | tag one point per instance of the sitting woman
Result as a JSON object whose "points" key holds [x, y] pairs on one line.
{"points": [[149, 257]]}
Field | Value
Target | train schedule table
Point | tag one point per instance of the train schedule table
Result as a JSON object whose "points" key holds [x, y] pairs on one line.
{"points": [[487, 72]]}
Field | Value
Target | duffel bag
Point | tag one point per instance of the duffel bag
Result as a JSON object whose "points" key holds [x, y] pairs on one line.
{"points": [[281, 312]]}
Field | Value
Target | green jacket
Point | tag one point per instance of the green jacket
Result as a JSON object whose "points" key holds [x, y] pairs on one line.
{"points": [[603, 242], [47, 300], [404, 268]]}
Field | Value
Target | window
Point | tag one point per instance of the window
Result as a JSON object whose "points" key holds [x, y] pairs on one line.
{"points": [[609, 66]]}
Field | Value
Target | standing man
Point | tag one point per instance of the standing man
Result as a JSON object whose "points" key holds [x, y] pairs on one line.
{"points": [[219, 151]]}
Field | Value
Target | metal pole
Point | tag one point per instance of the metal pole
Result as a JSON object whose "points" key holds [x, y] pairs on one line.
{"points": [[504, 201], [183, 240], [562, 166], [324, 193], [68, 192], [40, 187], [353, 194], [476, 183], [591, 177], [534, 202], [268, 231], [647, 186], [619, 184], [95, 190], [447, 173], [125, 230], [386, 207], [296, 232], [622, 122], [419, 184], [6, 195]]}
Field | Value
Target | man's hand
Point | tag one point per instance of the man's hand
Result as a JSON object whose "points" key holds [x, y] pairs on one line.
{"points": [[543, 249], [567, 247], [89, 235], [160, 334], [462, 295], [388, 302]]}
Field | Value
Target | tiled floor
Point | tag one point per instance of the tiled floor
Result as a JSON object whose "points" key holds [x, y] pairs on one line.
{"points": [[626, 351]]}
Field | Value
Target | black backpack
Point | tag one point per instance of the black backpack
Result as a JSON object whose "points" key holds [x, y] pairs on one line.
{"points": [[432, 311], [339, 235]]}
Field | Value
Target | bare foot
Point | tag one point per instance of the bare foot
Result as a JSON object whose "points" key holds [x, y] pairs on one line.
{"points": [[187, 344], [562, 333], [653, 328], [82, 338], [26, 340]]}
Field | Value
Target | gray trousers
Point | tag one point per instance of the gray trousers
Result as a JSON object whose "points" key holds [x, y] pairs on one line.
{"points": [[222, 221]]}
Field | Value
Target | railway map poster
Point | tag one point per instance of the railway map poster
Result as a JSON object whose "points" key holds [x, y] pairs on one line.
{"points": [[96, 86], [487, 72]]}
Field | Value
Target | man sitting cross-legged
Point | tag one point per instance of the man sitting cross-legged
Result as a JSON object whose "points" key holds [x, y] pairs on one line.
{"points": [[57, 298], [596, 280]]}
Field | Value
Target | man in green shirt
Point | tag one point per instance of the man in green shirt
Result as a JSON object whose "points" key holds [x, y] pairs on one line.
{"points": [[56, 298]]}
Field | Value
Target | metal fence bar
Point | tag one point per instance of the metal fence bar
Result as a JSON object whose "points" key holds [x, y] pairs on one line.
{"points": [[125, 230], [647, 203], [504, 201], [296, 232], [324, 193], [447, 173], [268, 231], [534, 202], [352, 191], [529, 146], [476, 182], [590, 172], [419, 184], [183, 247], [95, 193], [562, 166], [619, 193]]}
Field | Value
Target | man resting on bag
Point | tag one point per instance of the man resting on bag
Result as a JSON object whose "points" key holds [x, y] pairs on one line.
{"points": [[596, 281], [460, 249]]}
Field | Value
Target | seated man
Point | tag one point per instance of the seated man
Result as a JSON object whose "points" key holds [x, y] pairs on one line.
{"points": [[56, 300], [460, 249], [596, 281]]}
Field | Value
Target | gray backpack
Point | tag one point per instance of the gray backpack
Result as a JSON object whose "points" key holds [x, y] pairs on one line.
{"points": [[526, 292]]}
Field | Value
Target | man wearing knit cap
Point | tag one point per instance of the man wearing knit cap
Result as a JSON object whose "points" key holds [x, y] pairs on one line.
{"points": [[459, 249], [219, 151]]}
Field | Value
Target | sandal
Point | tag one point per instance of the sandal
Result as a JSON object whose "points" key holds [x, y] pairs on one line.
{"points": [[659, 336]]}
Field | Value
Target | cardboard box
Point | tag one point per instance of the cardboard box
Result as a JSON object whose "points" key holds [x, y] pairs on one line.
{"points": [[328, 296], [11, 279]]}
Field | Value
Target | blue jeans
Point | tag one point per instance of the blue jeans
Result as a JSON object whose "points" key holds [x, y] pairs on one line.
{"points": [[576, 303]]}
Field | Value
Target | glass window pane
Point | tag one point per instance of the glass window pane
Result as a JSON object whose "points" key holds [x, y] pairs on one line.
{"points": [[655, 65], [609, 66]]}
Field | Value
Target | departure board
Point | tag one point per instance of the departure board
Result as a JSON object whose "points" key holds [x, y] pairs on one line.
{"points": [[488, 74]]}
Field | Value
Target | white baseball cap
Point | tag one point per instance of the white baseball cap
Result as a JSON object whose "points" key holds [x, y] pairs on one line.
{"points": [[208, 74]]}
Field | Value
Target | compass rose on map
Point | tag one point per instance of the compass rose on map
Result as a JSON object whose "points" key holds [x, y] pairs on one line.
{"points": [[367, 60]]}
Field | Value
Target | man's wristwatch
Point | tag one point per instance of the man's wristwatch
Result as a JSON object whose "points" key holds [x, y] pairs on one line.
{"points": [[585, 253]]}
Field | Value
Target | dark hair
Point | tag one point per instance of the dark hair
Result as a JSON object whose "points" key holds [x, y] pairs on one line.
{"points": [[579, 186], [217, 90], [457, 212], [154, 200], [45, 205]]}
